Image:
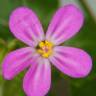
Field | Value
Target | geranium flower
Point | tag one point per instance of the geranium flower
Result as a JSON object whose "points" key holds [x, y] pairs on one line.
{"points": [[45, 49]]}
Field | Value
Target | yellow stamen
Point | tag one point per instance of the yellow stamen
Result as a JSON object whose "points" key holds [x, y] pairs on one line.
{"points": [[45, 49]]}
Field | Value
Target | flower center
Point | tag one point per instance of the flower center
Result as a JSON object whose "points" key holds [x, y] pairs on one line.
{"points": [[45, 48]]}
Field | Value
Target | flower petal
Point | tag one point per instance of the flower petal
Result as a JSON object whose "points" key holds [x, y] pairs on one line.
{"points": [[66, 23], [16, 62], [37, 81], [25, 26], [72, 61]]}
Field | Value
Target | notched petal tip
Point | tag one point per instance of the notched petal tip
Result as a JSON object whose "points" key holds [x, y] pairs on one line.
{"points": [[5, 72], [18, 12], [7, 76], [88, 67], [16, 16]]}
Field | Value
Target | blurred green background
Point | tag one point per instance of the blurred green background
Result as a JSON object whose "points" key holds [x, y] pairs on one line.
{"points": [[62, 85]]}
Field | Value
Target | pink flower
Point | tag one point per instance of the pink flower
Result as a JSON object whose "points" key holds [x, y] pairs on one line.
{"points": [[45, 49]]}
